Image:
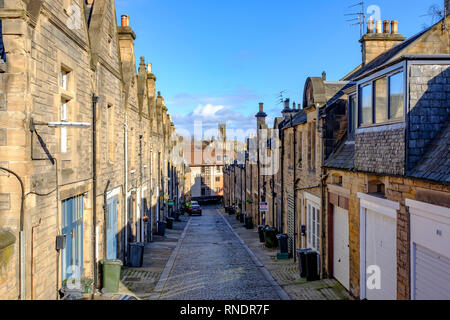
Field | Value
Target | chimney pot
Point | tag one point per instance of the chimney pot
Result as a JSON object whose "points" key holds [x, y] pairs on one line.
{"points": [[386, 24], [261, 107], [324, 76], [125, 20], [149, 67], [378, 26], [394, 27], [370, 26]]}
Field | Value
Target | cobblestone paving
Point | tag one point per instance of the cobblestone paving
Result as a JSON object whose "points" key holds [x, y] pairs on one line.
{"points": [[140, 282], [212, 264], [286, 272]]}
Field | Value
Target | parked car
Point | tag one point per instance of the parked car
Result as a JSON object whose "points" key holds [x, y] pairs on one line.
{"points": [[195, 209]]}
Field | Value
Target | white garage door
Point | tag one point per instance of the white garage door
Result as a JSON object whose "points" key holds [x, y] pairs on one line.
{"points": [[381, 239], [431, 275], [341, 246]]}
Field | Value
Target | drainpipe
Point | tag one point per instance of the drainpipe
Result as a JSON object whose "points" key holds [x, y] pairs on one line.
{"points": [[22, 237], [125, 192], [295, 191], [105, 208], [32, 256], [323, 177], [282, 182], [95, 100]]}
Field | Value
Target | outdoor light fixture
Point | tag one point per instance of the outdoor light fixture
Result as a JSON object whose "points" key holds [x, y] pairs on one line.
{"points": [[61, 124]]}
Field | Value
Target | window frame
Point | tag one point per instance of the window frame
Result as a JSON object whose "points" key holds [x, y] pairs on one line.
{"points": [[386, 73]]}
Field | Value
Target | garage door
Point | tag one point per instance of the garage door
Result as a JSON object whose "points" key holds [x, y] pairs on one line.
{"points": [[381, 239], [431, 275], [341, 246]]}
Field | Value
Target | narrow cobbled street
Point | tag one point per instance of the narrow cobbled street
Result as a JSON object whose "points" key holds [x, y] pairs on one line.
{"points": [[211, 263]]}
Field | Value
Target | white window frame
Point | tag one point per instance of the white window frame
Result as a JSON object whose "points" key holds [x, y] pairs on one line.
{"points": [[314, 226], [64, 79]]}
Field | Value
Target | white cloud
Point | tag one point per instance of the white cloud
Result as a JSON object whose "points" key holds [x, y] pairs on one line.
{"points": [[207, 111]]}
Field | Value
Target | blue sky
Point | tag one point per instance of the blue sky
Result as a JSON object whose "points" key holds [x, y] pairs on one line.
{"points": [[215, 60]]}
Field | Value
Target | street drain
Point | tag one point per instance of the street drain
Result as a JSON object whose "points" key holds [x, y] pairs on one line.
{"points": [[130, 279]]}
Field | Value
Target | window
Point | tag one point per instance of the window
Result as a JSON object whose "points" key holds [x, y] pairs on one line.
{"points": [[110, 132], [312, 145], [353, 107], [217, 179], [64, 79], [396, 96], [219, 158], [300, 148], [217, 190], [366, 105], [313, 228], [63, 118], [381, 100]]}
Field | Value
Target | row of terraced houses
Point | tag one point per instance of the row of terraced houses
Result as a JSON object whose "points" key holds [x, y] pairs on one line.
{"points": [[360, 173], [86, 165]]}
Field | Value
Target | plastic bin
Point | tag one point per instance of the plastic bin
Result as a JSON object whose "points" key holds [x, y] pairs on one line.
{"points": [[249, 222], [301, 254], [135, 254], [312, 272], [270, 236], [169, 222], [283, 243], [261, 233], [111, 275], [161, 228]]}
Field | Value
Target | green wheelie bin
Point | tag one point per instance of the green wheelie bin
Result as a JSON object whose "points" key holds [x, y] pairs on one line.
{"points": [[111, 275]]}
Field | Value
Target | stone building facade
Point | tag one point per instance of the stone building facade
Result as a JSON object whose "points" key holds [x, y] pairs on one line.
{"points": [[78, 145], [364, 175]]}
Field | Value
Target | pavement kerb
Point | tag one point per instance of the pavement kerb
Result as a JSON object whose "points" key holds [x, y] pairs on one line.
{"points": [[158, 291], [281, 293]]}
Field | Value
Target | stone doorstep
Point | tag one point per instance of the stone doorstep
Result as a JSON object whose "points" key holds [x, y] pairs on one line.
{"points": [[287, 273]]}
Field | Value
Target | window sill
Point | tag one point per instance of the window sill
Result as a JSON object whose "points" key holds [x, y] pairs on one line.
{"points": [[374, 125]]}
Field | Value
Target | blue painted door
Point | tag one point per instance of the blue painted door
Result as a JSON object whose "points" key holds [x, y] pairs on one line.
{"points": [[111, 228], [72, 228]]}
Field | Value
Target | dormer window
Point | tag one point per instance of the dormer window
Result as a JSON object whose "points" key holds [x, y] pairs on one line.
{"points": [[381, 100]]}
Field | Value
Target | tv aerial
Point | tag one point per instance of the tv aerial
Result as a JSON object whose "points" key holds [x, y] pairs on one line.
{"points": [[359, 17]]}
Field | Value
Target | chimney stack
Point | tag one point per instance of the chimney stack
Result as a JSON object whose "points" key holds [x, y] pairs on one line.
{"points": [[386, 24], [125, 20], [374, 44]]}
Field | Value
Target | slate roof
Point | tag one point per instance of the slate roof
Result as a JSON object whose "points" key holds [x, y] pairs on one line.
{"points": [[343, 158], [435, 164]]}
